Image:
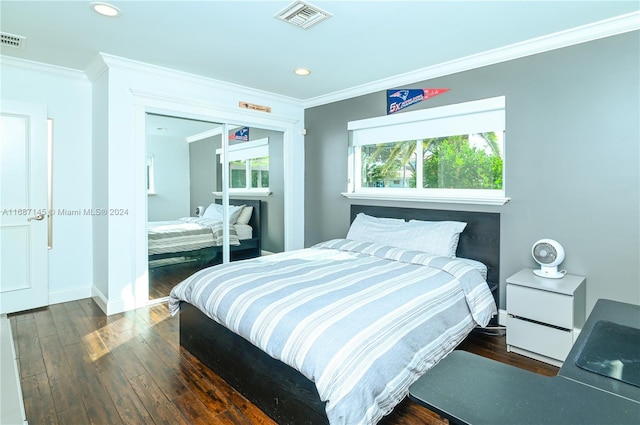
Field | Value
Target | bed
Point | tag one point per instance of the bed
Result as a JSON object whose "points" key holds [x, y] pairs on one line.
{"points": [[201, 238], [368, 368]]}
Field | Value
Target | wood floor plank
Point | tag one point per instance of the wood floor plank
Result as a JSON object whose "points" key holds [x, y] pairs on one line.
{"points": [[64, 392], [120, 349], [31, 361], [44, 323], [64, 325], [162, 410], [210, 395], [163, 374], [98, 404], [74, 415], [38, 402], [130, 407], [194, 411]]}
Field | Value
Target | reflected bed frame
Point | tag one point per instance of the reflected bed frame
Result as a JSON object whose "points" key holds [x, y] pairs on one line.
{"points": [[277, 389], [248, 248]]}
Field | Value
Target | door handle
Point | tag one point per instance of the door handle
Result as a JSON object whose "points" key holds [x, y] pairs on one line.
{"points": [[38, 217]]}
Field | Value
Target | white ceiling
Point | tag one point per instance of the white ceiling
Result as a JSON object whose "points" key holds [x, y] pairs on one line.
{"points": [[242, 43]]}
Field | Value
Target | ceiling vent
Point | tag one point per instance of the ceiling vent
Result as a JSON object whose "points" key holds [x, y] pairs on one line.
{"points": [[11, 40], [302, 14]]}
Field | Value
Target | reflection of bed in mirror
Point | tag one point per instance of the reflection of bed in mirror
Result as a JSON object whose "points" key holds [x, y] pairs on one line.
{"points": [[201, 238]]}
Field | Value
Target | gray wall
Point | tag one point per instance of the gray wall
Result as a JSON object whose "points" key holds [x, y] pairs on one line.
{"points": [[171, 178], [572, 160], [202, 171]]}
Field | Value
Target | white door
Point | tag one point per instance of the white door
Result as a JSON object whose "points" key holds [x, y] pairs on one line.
{"points": [[24, 282]]}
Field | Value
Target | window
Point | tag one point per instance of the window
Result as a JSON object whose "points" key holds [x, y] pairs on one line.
{"points": [[452, 153], [248, 159]]}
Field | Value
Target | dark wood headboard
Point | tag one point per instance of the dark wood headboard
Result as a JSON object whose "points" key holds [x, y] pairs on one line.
{"points": [[479, 241], [255, 222]]}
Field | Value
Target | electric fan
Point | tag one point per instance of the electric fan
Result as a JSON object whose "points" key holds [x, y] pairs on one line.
{"points": [[549, 254]]}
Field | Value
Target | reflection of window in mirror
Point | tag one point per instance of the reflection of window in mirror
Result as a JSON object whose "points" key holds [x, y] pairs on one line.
{"points": [[248, 159], [150, 173]]}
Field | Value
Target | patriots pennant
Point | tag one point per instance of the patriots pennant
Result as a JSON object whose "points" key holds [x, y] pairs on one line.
{"points": [[242, 134], [400, 99]]}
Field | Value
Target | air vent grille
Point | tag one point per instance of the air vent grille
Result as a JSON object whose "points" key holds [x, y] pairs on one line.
{"points": [[11, 40], [302, 14]]}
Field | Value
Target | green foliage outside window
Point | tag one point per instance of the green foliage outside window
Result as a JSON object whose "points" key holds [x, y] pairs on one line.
{"points": [[448, 162]]}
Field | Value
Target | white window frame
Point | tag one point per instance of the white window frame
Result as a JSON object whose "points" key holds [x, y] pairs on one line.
{"points": [[245, 151], [462, 118]]}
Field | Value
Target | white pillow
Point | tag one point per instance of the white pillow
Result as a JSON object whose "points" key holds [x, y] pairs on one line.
{"points": [[374, 229], [214, 211], [435, 237], [245, 215]]}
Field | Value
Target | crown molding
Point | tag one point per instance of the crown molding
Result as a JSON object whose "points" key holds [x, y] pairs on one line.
{"points": [[60, 71], [594, 31], [111, 61], [96, 68]]}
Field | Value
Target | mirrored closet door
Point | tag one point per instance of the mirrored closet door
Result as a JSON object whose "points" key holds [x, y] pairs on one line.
{"points": [[188, 175]]}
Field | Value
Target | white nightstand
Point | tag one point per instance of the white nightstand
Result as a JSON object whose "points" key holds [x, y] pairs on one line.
{"points": [[544, 316]]}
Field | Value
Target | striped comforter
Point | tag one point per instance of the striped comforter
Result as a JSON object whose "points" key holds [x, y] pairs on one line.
{"points": [[362, 321], [186, 234]]}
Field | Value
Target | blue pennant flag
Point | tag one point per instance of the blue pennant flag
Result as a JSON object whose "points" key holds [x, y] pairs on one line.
{"points": [[401, 98]]}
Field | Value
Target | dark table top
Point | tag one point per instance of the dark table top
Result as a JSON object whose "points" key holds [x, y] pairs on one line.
{"points": [[613, 311], [471, 389]]}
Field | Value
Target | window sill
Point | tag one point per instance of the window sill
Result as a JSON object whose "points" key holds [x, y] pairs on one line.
{"points": [[427, 198], [250, 193]]}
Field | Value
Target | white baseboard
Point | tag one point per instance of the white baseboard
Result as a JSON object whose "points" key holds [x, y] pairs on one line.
{"points": [[100, 299], [108, 306], [72, 294]]}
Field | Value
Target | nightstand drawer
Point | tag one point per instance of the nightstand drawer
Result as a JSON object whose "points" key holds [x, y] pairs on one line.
{"points": [[550, 342], [547, 307]]}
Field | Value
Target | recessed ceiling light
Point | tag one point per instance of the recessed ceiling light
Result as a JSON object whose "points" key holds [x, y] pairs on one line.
{"points": [[301, 71], [105, 9]]}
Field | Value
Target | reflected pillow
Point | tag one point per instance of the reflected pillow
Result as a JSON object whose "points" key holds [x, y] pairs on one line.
{"points": [[214, 211], [245, 215]]}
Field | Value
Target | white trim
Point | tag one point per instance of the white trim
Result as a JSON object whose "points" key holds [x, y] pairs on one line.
{"points": [[99, 299], [422, 197], [156, 102], [109, 306], [42, 67], [123, 63], [245, 193], [70, 294], [594, 31], [471, 107], [472, 117]]}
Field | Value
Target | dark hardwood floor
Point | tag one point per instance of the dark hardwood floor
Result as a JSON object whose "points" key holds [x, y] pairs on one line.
{"points": [[163, 278], [78, 366]]}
